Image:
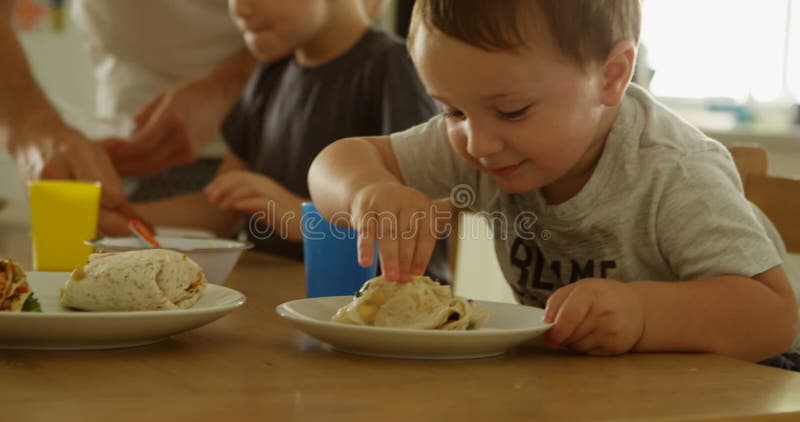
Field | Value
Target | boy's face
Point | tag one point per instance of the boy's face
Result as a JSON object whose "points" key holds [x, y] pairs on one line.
{"points": [[274, 29], [526, 119]]}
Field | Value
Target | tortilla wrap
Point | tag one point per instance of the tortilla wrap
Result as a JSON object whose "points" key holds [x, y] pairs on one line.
{"points": [[14, 289], [419, 303], [141, 280]]}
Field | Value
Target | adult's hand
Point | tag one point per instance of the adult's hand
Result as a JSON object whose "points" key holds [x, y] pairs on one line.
{"points": [[172, 129], [61, 152], [64, 153], [33, 133]]}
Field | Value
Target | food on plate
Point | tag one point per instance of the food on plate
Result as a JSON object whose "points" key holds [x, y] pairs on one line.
{"points": [[419, 303], [15, 293], [148, 279]]}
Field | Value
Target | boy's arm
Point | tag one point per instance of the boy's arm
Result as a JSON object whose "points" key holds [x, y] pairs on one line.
{"points": [[194, 209], [748, 318], [361, 176], [346, 166], [732, 315]]}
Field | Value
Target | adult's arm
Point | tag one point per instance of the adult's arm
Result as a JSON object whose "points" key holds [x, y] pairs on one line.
{"points": [[175, 125], [32, 131]]}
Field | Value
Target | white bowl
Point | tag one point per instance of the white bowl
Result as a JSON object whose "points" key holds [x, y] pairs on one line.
{"points": [[216, 256]]}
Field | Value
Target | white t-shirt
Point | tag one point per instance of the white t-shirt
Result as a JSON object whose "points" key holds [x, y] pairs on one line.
{"points": [[140, 48], [665, 203]]}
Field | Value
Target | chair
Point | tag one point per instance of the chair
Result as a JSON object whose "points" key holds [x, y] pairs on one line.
{"points": [[778, 197]]}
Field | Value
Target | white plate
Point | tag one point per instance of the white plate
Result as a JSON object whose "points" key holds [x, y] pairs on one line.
{"points": [[59, 328], [508, 325]]}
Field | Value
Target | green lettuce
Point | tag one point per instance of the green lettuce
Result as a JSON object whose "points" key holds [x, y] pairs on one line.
{"points": [[31, 305]]}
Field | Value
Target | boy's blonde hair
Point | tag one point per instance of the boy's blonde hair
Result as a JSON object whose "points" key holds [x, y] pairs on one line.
{"points": [[584, 30]]}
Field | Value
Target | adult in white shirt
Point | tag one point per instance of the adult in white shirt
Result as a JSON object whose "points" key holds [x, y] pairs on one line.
{"points": [[143, 54], [177, 66], [158, 61]]}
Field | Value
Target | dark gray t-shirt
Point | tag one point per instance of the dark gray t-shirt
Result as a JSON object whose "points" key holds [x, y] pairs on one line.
{"points": [[288, 113]]}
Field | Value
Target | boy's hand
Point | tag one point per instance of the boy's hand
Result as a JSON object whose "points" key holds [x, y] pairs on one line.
{"points": [[595, 316], [402, 220], [250, 192]]}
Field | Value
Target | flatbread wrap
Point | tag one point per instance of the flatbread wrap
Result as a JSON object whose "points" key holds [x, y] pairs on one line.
{"points": [[15, 293], [149, 279], [420, 303]]}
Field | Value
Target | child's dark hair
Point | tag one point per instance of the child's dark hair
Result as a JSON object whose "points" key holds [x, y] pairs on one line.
{"points": [[584, 30]]}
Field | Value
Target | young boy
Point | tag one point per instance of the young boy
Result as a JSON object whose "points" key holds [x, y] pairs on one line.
{"points": [[325, 75], [541, 126]]}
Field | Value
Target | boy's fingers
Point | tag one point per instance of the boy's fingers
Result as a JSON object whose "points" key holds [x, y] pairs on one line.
{"points": [[585, 329], [222, 187], [601, 350], [425, 243], [230, 197], [250, 205], [225, 180], [366, 245], [245, 190], [406, 241], [588, 343], [570, 315], [214, 187], [422, 255], [388, 248], [555, 301]]}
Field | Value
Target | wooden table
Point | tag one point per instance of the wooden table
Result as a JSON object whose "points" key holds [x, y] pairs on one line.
{"points": [[251, 365]]}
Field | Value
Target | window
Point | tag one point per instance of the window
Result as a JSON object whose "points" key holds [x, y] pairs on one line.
{"points": [[724, 48]]}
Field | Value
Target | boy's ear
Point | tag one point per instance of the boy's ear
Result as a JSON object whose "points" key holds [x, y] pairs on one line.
{"points": [[617, 72]]}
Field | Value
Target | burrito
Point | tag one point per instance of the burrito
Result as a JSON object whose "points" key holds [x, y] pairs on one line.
{"points": [[149, 279], [15, 293], [420, 303]]}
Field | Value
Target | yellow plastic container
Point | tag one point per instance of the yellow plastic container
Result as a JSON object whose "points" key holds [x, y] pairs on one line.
{"points": [[63, 216]]}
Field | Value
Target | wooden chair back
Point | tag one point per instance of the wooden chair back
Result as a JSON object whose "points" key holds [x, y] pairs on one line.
{"points": [[778, 197]]}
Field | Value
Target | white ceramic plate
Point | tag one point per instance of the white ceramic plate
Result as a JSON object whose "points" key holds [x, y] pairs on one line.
{"points": [[508, 325], [59, 328]]}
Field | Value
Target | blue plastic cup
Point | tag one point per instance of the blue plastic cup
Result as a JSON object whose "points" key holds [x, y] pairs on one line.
{"points": [[330, 253]]}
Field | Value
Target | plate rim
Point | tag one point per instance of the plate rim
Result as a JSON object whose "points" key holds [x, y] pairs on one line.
{"points": [[236, 245], [67, 329], [285, 312], [229, 305]]}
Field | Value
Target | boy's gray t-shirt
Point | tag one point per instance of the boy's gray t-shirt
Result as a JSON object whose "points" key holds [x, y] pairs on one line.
{"points": [[664, 203]]}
